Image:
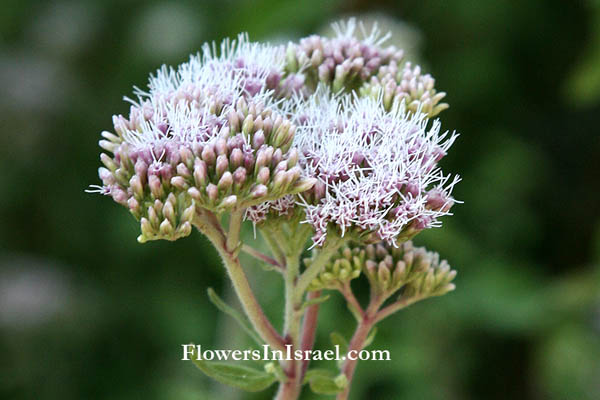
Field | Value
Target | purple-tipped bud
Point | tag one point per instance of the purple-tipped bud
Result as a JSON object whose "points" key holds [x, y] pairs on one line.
{"points": [[437, 200], [371, 266], [226, 181], [259, 191], [133, 204], [166, 172], [155, 186], [249, 162], [194, 193], [222, 165], [141, 170], [179, 182], [263, 157], [267, 126], [258, 139], [136, 186], [208, 154], [106, 176], [281, 166], [200, 173], [277, 157], [263, 175], [221, 146], [229, 202], [258, 123], [212, 192], [186, 156], [236, 158], [183, 170], [239, 176]]}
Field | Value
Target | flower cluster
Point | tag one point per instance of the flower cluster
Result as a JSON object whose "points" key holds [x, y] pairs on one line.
{"points": [[407, 84], [343, 61], [341, 269], [239, 129], [376, 170], [209, 135]]}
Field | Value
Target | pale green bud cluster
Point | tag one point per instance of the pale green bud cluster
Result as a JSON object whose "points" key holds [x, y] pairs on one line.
{"points": [[170, 220], [341, 269], [407, 84], [419, 272]]}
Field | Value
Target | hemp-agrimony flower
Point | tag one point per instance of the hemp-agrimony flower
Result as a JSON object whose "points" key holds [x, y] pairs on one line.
{"points": [[376, 170], [208, 135], [329, 138]]}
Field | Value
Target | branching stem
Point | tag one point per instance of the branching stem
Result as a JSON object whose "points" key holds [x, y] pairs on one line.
{"points": [[226, 246]]}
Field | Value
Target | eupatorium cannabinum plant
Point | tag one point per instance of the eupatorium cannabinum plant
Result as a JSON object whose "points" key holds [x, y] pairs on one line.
{"points": [[329, 147]]}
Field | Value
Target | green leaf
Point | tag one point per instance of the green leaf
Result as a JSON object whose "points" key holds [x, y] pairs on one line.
{"points": [[338, 340], [324, 381], [239, 376], [235, 314], [371, 337], [316, 300], [313, 373]]}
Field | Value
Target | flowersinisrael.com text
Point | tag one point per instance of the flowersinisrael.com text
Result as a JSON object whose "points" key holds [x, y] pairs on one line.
{"points": [[192, 351]]}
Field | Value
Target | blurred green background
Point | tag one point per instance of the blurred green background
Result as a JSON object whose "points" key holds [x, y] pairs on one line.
{"points": [[88, 313]]}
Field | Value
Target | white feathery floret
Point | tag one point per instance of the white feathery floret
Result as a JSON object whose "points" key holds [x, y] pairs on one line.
{"points": [[193, 100], [347, 29], [374, 168]]}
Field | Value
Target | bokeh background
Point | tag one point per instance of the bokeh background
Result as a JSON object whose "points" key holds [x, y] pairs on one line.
{"points": [[88, 313]]}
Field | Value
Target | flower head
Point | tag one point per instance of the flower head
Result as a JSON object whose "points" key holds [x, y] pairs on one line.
{"points": [[343, 61], [407, 84], [208, 134], [376, 171]]}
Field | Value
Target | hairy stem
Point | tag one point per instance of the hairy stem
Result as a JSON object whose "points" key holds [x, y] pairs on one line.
{"points": [[357, 343], [291, 388], [276, 250], [206, 222], [396, 306], [235, 225], [309, 329], [292, 244], [352, 302], [262, 257]]}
